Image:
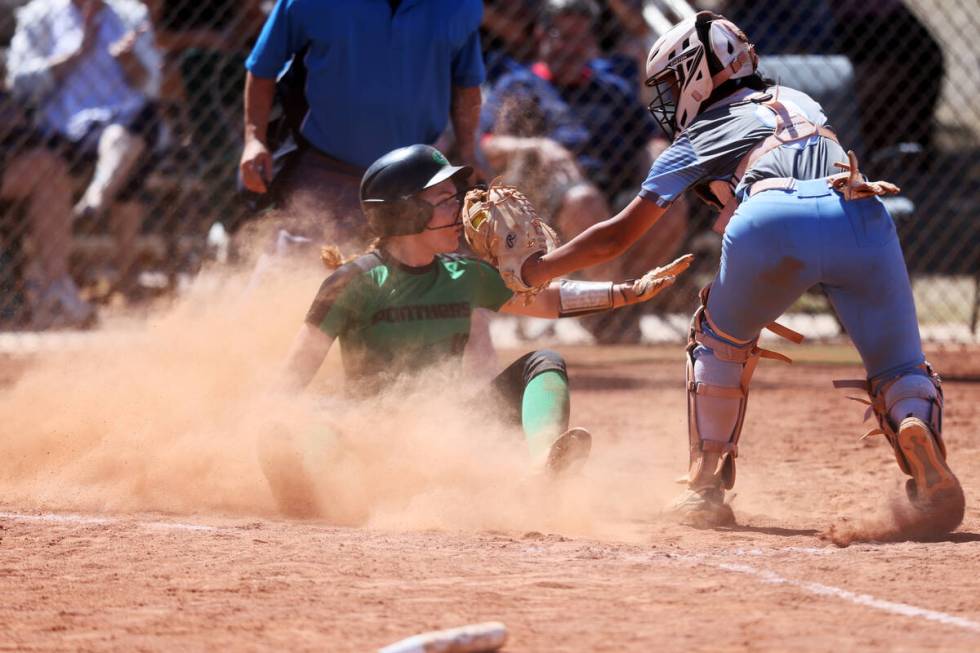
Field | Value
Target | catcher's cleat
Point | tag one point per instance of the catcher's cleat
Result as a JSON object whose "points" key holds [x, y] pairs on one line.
{"points": [[704, 508], [933, 484], [569, 452]]}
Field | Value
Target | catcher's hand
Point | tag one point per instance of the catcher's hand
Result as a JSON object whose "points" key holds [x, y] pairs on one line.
{"points": [[852, 185], [503, 229], [650, 284]]}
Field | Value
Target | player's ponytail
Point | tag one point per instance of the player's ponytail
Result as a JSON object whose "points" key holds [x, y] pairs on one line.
{"points": [[333, 258]]}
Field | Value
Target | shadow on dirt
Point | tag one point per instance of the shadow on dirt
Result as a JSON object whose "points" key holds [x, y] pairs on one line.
{"points": [[599, 382], [960, 538], [773, 530]]}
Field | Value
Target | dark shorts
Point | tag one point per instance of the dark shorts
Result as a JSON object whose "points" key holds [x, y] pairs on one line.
{"points": [[82, 155], [320, 197]]}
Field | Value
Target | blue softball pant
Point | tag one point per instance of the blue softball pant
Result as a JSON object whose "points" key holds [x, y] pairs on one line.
{"points": [[779, 243]]}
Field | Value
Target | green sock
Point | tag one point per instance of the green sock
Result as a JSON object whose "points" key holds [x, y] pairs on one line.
{"points": [[544, 411]]}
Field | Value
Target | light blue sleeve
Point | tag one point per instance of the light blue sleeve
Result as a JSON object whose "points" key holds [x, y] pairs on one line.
{"points": [[282, 36], [674, 171]]}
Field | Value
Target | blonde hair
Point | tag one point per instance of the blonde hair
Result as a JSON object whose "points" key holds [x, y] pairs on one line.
{"points": [[333, 258]]}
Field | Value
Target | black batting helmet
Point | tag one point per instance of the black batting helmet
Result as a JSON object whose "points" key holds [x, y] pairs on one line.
{"points": [[389, 188]]}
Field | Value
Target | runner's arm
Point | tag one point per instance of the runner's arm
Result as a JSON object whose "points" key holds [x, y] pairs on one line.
{"points": [[309, 349]]}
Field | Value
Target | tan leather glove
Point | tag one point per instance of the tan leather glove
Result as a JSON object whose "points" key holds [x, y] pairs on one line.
{"points": [[852, 184], [650, 284], [503, 229]]}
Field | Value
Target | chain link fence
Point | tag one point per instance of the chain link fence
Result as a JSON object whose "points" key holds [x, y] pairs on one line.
{"points": [[119, 141], [121, 138]]}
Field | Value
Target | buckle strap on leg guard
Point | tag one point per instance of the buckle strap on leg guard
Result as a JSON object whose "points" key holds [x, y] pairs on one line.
{"points": [[881, 409], [713, 466]]}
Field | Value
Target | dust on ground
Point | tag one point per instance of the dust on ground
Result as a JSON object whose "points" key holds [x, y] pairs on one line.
{"points": [[136, 515]]}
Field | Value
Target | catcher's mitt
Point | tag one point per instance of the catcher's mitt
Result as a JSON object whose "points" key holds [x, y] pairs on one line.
{"points": [[503, 229]]}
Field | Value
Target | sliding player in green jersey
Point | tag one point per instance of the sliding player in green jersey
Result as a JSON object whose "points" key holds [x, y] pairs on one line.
{"points": [[406, 303]]}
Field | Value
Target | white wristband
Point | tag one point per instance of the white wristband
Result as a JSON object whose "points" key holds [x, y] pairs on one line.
{"points": [[584, 297]]}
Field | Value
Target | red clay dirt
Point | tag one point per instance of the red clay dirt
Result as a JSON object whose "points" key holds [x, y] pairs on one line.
{"points": [[163, 541]]}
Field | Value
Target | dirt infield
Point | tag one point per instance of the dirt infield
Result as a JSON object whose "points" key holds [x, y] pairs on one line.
{"points": [[97, 557]]}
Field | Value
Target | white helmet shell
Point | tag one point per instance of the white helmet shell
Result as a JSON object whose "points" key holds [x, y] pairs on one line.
{"points": [[680, 65]]}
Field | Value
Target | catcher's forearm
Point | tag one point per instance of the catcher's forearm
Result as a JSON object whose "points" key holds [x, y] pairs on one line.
{"points": [[573, 298], [599, 243]]}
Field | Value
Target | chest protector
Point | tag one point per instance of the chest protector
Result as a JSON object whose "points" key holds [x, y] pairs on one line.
{"points": [[791, 126]]}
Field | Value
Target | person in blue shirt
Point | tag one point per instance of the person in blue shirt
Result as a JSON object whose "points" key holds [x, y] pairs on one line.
{"points": [[380, 74]]}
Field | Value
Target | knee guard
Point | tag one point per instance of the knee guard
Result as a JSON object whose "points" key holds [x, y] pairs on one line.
{"points": [[920, 390], [712, 461]]}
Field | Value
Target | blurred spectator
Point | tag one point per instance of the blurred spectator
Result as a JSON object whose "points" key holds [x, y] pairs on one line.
{"points": [[381, 75], [574, 135], [624, 37], [507, 35], [35, 177], [87, 70], [219, 26]]}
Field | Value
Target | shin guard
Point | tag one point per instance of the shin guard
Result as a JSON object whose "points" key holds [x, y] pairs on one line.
{"points": [[909, 413], [885, 396], [712, 458]]}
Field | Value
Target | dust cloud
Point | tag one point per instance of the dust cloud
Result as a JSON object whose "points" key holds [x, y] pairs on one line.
{"points": [[168, 413], [901, 521]]}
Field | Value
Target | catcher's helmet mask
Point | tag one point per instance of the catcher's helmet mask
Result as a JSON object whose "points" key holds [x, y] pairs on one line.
{"points": [[390, 187], [692, 64], [665, 87]]}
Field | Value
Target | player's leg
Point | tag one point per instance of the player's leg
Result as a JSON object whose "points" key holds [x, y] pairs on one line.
{"points": [[869, 287], [294, 460], [535, 387], [42, 179], [768, 261], [119, 152]]}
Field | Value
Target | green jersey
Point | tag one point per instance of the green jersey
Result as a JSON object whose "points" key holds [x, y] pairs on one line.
{"points": [[391, 318]]}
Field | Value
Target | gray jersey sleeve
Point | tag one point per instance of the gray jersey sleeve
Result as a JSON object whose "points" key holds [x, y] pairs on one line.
{"points": [[712, 147]]}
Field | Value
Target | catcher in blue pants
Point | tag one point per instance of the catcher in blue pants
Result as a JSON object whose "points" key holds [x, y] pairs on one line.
{"points": [[766, 157]]}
